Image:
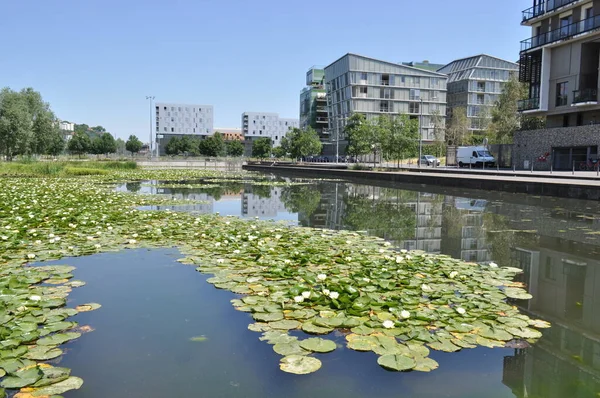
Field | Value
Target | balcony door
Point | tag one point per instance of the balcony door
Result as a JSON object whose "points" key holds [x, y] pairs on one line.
{"points": [[565, 26]]}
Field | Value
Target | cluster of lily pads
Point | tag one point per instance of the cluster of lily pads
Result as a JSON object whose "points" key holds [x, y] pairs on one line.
{"points": [[316, 282]]}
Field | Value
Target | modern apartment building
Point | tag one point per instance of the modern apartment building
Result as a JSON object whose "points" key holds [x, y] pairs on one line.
{"points": [[560, 62], [175, 120], [373, 87], [313, 106], [475, 83], [261, 124]]}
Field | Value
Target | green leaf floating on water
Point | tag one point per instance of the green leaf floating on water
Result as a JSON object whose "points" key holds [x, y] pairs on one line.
{"points": [[299, 365], [21, 378], [316, 344], [71, 383], [425, 364], [43, 353], [199, 338], [311, 328], [285, 324], [396, 362], [291, 348], [59, 338], [52, 375], [517, 293]]}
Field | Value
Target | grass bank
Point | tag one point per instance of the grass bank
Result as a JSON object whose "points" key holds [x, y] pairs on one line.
{"points": [[63, 168]]}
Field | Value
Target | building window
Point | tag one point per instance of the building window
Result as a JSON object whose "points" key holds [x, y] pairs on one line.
{"points": [[434, 82], [362, 92], [172, 129], [417, 81], [481, 86], [480, 99], [385, 93], [413, 107], [433, 95], [415, 94], [363, 76], [561, 94], [385, 80], [384, 106], [165, 128]]}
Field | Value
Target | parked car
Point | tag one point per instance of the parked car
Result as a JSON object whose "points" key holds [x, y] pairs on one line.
{"points": [[477, 156], [430, 160]]}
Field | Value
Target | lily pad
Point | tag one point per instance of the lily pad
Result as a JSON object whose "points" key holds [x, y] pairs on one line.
{"points": [[425, 364], [311, 328], [71, 383], [58, 338], [292, 348], [267, 316], [87, 307], [396, 362], [285, 324], [21, 378], [517, 293], [299, 365], [43, 353], [316, 344]]}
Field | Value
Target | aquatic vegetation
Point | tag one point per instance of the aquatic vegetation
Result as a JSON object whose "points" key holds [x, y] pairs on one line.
{"points": [[290, 280]]}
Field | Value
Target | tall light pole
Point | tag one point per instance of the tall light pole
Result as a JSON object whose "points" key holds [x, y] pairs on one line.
{"points": [[151, 98], [420, 132]]}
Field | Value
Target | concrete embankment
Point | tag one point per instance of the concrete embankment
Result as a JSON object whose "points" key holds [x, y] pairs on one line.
{"points": [[565, 187]]}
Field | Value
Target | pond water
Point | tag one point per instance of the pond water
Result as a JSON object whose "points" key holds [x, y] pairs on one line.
{"points": [[152, 305]]}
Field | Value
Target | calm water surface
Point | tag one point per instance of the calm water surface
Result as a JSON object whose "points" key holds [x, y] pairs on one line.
{"points": [[152, 305]]}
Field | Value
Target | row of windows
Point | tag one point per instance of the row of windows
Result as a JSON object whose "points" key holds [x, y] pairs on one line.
{"points": [[374, 92], [181, 109], [385, 79], [181, 130]]}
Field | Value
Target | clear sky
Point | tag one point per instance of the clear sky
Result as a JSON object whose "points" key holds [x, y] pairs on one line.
{"points": [[95, 61]]}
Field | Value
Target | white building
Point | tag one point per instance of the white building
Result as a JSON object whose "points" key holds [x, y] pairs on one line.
{"points": [[254, 205], [63, 125], [261, 124], [182, 119]]}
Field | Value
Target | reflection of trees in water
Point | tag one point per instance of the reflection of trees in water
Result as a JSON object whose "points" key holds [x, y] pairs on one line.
{"points": [[387, 216], [262, 191], [503, 238], [303, 199], [133, 186], [215, 191]]}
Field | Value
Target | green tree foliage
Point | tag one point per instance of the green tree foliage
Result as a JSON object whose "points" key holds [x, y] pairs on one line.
{"points": [[79, 144], [359, 135], [56, 144], [27, 124], [172, 147], [235, 148], [261, 148], [81, 128], [302, 143], [104, 144], [213, 146], [438, 147], [506, 118], [397, 137], [133, 144], [457, 131]]}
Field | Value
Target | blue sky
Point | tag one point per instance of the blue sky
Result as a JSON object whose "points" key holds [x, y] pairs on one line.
{"points": [[95, 61]]}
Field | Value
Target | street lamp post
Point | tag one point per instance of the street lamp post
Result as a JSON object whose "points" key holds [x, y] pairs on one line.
{"points": [[337, 140], [151, 98], [420, 132]]}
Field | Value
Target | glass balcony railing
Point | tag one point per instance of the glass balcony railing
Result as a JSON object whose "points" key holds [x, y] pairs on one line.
{"points": [[529, 104], [562, 33], [562, 100], [585, 95], [544, 8]]}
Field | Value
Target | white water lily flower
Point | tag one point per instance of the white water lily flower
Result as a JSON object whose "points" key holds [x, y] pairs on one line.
{"points": [[387, 244], [348, 242], [4, 237], [298, 299], [453, 274], [388, 324], [97, 246], [31, 255], [220, 261], [135, 235], [461, 310], [403, 251], [218, 244], [399, 259], [132, 241], [35, 298], [348, 258], [306, 294], [286, 261], [408, 257], [50, 236], [425, 287], [405, 314], [236, 251], [334, 295], [227, 222], [366, 280], [326, 292], [493, 265], [57, 239], [321, 277], [278, 237], [381, 250], [109, 228]]}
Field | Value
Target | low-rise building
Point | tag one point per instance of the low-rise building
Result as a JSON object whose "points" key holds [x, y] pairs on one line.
{"points": [[176, 120], [230, 133], [257, 125]]}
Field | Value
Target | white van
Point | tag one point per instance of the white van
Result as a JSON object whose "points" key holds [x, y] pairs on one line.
{"points": [[474, 155]]}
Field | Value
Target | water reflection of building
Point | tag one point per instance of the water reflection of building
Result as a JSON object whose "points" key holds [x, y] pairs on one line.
{"points": [[464, 229], [564, 278], [254, 205], [428, 230], [202, 202]]}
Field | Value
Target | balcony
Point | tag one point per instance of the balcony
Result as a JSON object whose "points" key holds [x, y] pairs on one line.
{"points": [[562, 100], [322, 120], [585, 96], [562, 33], [542, 9], [529, 104]]}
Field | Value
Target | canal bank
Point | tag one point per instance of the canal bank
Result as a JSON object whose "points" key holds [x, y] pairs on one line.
{"points": [[566, 187]]}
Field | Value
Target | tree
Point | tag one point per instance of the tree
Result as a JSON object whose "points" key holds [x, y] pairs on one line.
{"points": [[104, 144], [261, 148], [235, 148], [81, 128], [398, 136], [359, 135], [506, 118], [172, 147], [302, 143], [457, 132], [15, 123], [80, 144], [98, 129], [56, 143], [133, 145], [213, 146]]}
